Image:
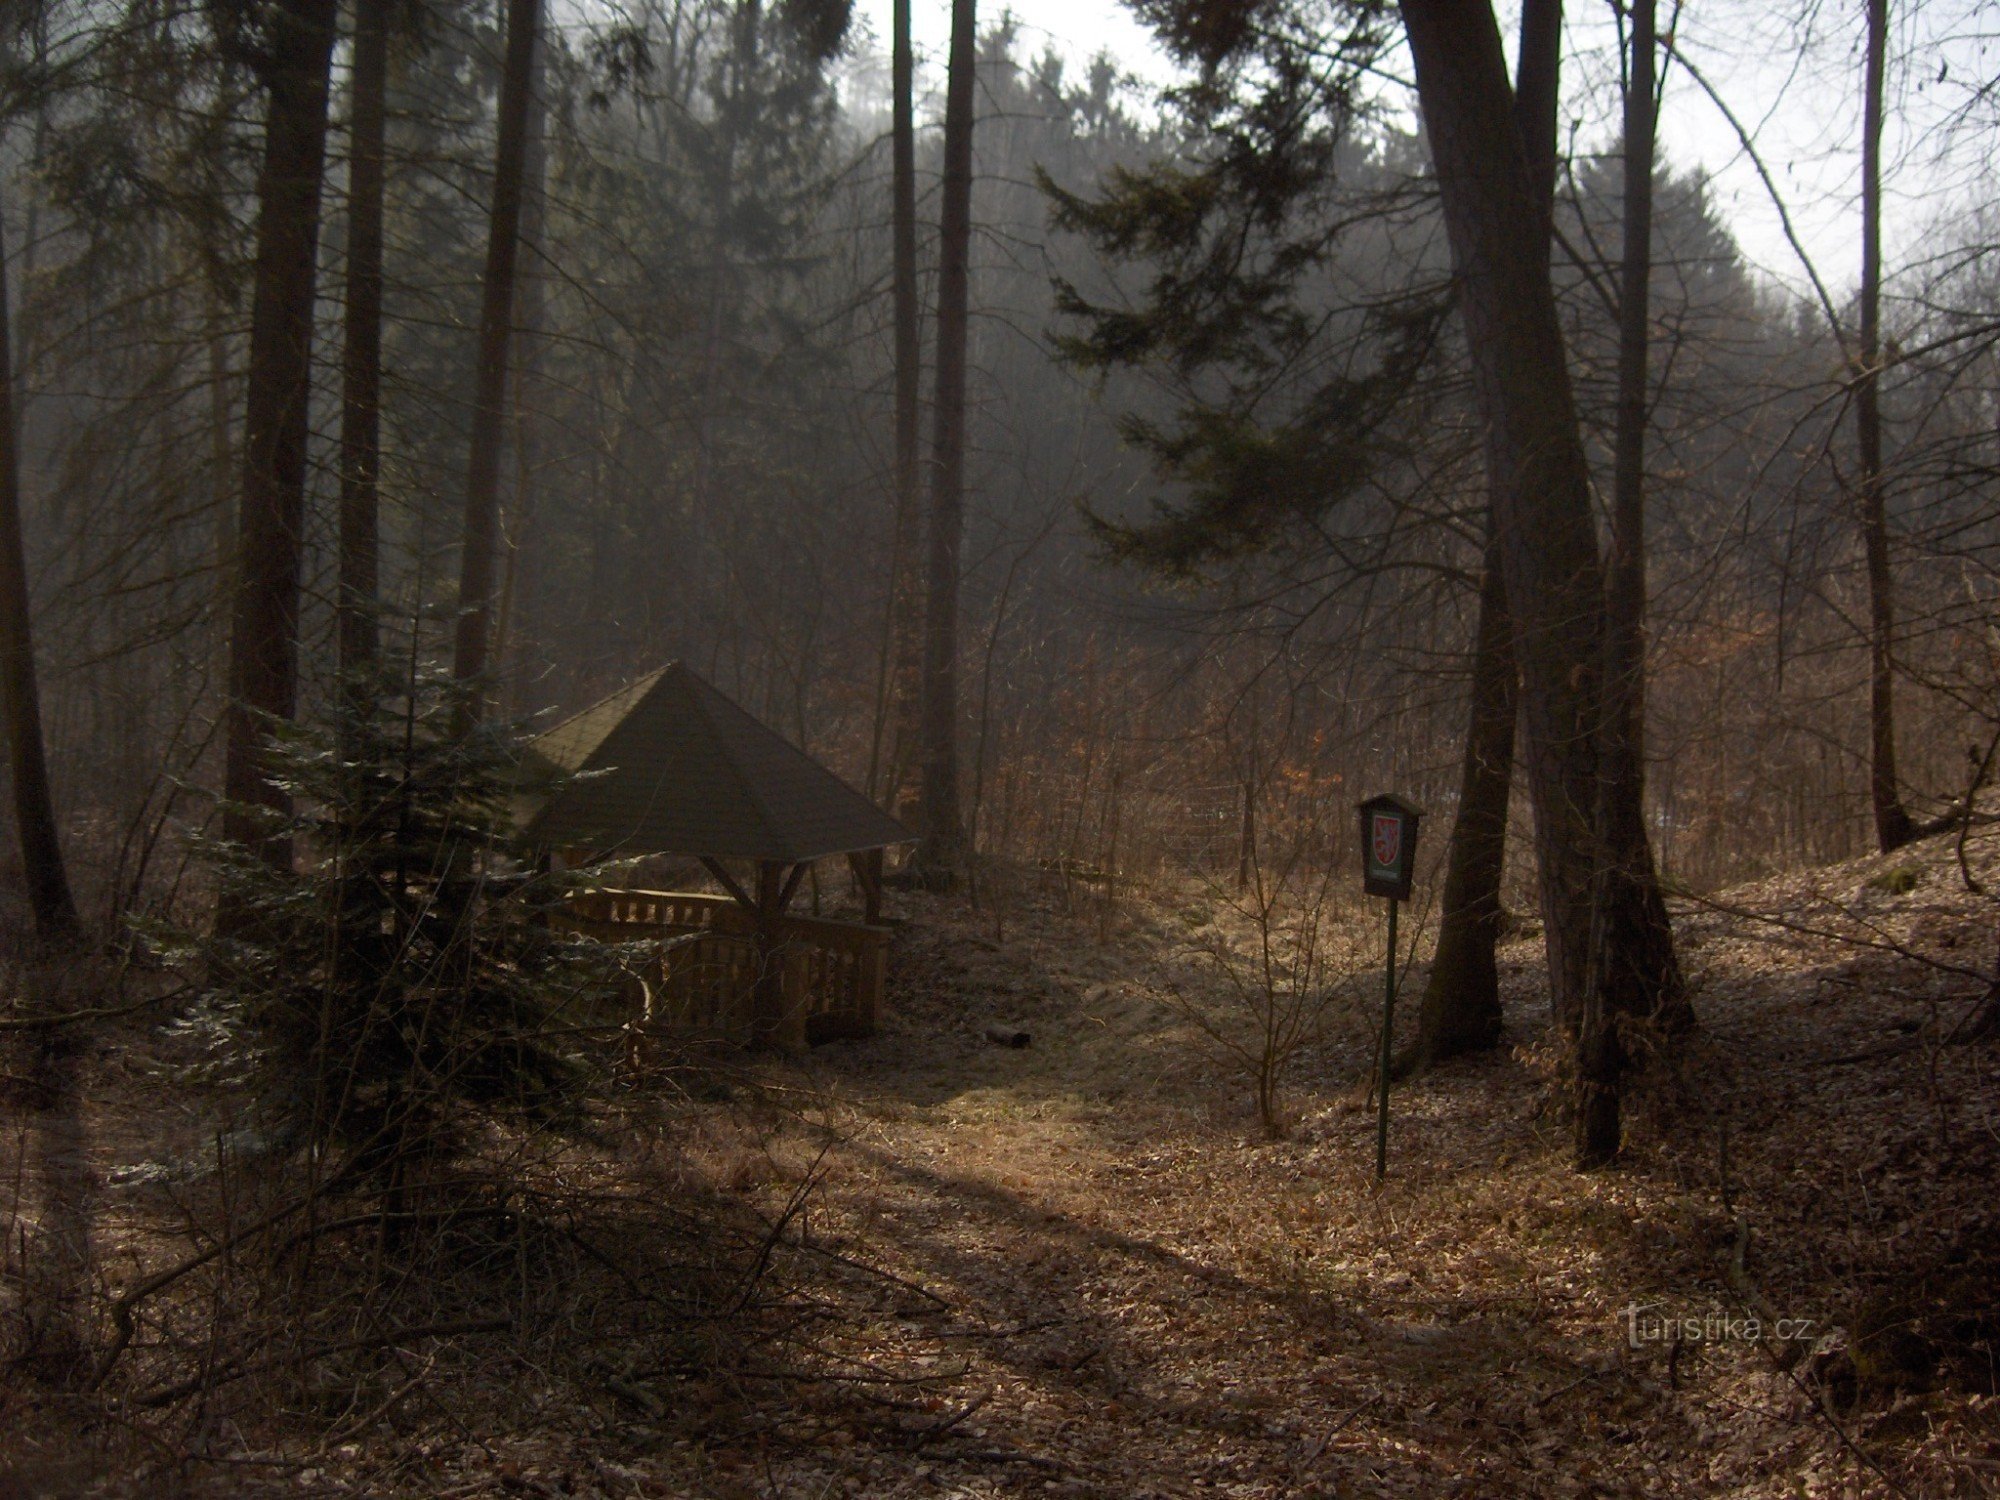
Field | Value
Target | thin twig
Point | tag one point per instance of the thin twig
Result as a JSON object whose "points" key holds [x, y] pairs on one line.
{"points": [[940, 1428], [208, 1380]]}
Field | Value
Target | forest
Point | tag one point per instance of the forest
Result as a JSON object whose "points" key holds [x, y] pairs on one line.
{"points": [[686, 687]]}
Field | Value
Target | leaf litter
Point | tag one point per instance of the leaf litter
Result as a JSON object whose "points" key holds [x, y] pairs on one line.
{"points": [[1079, 1268]]}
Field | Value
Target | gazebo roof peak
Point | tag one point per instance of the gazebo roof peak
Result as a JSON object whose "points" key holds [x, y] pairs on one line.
{"points": [[668, 765]]}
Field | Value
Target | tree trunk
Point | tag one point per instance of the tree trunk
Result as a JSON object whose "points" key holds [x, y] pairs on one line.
{"points": [[1646, 981], [1460, 1011], [1893, 827], [704, 615], [223, 477], [515, 643], [361, 374], [359, 949], [1246, 839], [941, 851], [264, 635], [905, 596], [496, 322], [1537, 100], [1541, 490], [34, 808]]}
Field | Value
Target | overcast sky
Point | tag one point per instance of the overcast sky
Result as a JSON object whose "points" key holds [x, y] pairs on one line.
{"points": [[1790, 73]]}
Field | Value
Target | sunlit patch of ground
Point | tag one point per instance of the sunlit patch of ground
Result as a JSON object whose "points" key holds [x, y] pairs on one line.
{"points": [[1147, 1297]]}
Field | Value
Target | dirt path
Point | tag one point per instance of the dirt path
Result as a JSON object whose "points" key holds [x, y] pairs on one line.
{"points": [[1149, 1298], [1115, 1287]]}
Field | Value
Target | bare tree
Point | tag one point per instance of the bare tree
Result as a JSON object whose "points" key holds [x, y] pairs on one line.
{"points": [[1646, 979], [1460, 1010], [1541, 486], [1893, 826]]}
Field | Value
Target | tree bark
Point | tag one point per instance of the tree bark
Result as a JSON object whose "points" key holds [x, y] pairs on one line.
{"points": [[34, 808], [941, 851], [1537, 100], [1893, 827], [1246, 840], [703, 616], [496, 323], [361, 374], [515, 643], [357, 624], [264, 634], [1541, 489], [1460, 1011], [1646, 978], [906, 596]]}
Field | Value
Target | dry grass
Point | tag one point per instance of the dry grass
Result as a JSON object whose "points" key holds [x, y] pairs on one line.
{"points": [[1080, 1268]]}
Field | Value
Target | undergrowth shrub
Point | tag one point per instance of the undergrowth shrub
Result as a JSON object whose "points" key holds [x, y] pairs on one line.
{"points": [[400, 986], [1266, 968]]}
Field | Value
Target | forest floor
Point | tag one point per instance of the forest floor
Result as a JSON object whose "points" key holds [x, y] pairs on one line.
{"points": [[1080, 1267]]}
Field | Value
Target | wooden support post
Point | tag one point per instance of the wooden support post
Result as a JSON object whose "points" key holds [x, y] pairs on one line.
{"points": [[867, 867], [767, 998], [778, 998], [792, 885], [796, 971], [872, 982]]}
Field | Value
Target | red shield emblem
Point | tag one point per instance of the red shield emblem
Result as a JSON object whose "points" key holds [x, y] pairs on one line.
{"points": [[1387, 841]]}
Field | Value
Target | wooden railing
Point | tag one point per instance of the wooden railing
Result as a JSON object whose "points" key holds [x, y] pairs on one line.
{"points": [[699, 974]]}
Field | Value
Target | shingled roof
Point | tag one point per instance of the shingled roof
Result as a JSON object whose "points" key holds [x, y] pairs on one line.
{"points": [[673, 767]]}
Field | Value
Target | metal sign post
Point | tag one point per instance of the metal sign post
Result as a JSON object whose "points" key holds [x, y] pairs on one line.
{"points": [[1388, 866], [1388, 1029]]}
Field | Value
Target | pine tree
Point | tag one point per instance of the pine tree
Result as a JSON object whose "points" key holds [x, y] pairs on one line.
{"points": [[402, 982]]}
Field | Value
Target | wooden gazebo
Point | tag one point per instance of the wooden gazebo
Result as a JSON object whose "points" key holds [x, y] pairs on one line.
{"points": [[670, 766]]}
